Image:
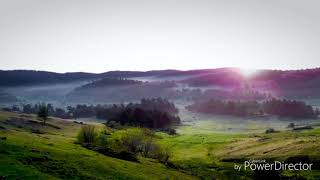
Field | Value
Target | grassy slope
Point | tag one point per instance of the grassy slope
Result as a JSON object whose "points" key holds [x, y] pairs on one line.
{"points": [[204, 152], [53, 155]]}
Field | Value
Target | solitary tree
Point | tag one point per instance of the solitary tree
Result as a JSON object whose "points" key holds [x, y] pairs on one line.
{"points": [[43, 113]]}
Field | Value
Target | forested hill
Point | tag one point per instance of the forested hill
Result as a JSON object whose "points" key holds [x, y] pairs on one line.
{"points": [[309, 78], [28, 77], [105, 82]]}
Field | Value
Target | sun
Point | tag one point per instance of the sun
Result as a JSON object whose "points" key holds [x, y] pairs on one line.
{"points": [[248, 72]]}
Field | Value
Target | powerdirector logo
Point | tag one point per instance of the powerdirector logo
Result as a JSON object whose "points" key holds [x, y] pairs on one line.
{"points": [[263, 165]]}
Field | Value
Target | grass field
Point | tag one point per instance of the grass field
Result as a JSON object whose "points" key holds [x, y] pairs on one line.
{"points": [[54, 155], [198, 143], [196, 152]]}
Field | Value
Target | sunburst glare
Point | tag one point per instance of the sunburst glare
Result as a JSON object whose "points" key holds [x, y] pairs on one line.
{"points": [[247, 72]]}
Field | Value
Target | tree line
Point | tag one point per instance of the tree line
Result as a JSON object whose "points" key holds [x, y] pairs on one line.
{"points": [[150, 113], [278, 107]]}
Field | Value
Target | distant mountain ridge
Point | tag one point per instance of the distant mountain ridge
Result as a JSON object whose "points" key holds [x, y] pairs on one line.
{"points": [[120, 86], [29, 77], [201, 77]]}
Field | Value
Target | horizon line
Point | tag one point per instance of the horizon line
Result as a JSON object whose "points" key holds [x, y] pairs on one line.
{"points": [[66, 72]]}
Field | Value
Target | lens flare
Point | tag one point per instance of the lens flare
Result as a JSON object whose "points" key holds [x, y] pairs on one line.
{"points": [[248, 72]]}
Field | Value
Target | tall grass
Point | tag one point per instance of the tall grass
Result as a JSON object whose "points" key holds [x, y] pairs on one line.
{"points": [[87, 135]]}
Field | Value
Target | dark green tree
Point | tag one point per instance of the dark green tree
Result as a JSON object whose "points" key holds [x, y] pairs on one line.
{"points": [[43, 112]]}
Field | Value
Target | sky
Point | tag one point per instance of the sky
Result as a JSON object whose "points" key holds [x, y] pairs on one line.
{"points": [[104, 35]]}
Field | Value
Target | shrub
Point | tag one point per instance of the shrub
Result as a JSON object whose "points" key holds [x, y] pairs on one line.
{"points": [[291, 125], [148, 147], [143, 141], [270, 130], [103, 142], [169, 131], [302, 128], [87, 135], [161, 154], [124, 144], [104, 146], [133, 140], [43, 112]]}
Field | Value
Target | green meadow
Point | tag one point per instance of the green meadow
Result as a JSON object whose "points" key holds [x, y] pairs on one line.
{"points": [[54, 155], [196, 152]]}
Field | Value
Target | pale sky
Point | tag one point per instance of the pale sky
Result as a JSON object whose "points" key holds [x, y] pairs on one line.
{"points": [[103, 35]]}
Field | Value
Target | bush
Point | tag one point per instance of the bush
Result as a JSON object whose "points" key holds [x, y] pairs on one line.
{"points": [[143, 142], [124, 144], [103, 142], [291, 125], [302, 128], [87, 135], [104, 146], [43, 112], [121, 154], [169, 131], [148, 147], [161, 154], [270, 130], [133, 140]]}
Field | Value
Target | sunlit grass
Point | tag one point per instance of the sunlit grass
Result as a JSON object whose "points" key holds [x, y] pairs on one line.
{"points": [[196, 150], [63, 156]]}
